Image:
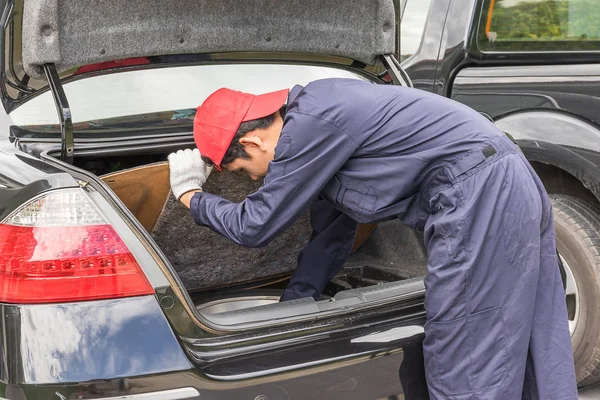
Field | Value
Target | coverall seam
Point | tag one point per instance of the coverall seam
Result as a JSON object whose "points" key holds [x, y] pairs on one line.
{"points": [[475, 170], [194, 206], [330, 123], [286, 142], [446, 166], [464, 176], [506, 371], [456, 257], [467, 256]]}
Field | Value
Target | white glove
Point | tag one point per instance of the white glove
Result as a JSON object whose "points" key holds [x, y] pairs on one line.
{"points": [[187, 171]]}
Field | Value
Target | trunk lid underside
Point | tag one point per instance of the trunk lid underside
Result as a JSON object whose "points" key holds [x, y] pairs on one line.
{"points": [[73, 33]]}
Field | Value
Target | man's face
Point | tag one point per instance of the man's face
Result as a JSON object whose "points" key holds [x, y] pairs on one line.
{"points": [[256, 167]]}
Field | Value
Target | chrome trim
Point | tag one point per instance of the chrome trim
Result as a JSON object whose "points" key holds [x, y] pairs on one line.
{"points": [[235, 303], [173, 394]]}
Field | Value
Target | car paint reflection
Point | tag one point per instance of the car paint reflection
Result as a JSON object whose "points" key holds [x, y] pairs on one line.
{"points": [[83, 341]]}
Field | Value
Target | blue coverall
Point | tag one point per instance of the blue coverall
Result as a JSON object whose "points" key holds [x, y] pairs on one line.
{"points": [[355, 151]]}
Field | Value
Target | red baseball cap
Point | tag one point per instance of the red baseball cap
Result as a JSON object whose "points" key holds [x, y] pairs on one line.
{"points": [[219, 117]]}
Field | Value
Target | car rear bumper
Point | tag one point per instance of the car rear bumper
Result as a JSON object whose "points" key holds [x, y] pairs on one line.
{"points": [[174, 394], [48, 344]]}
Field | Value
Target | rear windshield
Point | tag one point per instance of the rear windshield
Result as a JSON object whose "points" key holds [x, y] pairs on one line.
{"points": [[540, 25], [162, 97]]}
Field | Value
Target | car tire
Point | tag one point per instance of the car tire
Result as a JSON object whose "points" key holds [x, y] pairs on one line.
{"points": [[577, 227]]}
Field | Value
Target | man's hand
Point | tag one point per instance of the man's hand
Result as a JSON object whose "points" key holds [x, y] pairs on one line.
{"points": [[188, 172]]}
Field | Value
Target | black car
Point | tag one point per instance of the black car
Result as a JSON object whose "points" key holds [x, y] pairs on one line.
{"points": [[534, 67], [105, 290]]}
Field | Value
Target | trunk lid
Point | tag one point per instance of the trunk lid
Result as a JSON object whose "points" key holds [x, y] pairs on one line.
{"points": [[79, 37]]}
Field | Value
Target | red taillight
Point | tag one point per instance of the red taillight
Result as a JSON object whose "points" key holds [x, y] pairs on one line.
{"points": [[58, 248]]}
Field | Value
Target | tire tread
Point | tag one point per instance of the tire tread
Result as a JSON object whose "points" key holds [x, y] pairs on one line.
{"points": [[584, 218]]}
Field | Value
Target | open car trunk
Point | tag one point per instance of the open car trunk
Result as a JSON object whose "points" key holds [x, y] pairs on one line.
{"points": [[56, 48], [214, 270]]}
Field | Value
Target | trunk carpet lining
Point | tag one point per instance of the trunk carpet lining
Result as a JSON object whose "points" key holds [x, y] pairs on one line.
{"points": [[205, 259]]}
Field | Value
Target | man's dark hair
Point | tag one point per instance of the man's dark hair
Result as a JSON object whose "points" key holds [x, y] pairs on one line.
{"points": [[236, 150]]}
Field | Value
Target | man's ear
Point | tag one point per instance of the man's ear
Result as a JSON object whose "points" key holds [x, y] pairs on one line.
{"points": [[253, 141]]}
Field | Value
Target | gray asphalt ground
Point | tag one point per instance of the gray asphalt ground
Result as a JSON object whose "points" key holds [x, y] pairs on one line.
{"points": [[592, 393]]}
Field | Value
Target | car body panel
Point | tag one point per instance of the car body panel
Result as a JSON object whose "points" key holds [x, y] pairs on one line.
{"points": [[76, 342], [20, 169], [547, 100], [573, 90], [23, 176], [357, 379], [125, 347], [552, 111]]}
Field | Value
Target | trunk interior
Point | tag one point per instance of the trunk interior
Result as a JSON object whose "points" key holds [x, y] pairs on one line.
{"points": [[222, 276]]}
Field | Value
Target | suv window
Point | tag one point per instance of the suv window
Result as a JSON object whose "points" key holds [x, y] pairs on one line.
{"points": [[412, 25], [540, 25]]}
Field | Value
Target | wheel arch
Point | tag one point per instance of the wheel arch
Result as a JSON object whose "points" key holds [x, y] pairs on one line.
{"points": [[563, 149], [557, 180]]}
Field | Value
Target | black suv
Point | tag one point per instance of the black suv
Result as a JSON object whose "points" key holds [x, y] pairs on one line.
{"points": [[534, 67]]}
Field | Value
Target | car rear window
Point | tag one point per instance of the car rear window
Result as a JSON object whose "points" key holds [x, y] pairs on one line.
{"points": [[166, 96], [539, 25]]}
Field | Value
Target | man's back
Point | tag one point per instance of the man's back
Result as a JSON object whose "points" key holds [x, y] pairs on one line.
{"points": [[399, 142]]}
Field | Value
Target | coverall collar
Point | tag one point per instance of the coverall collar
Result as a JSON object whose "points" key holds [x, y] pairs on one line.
{"points": [[294, 93]]}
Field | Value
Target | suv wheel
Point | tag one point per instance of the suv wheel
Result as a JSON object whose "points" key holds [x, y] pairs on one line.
{"points": [[577, 226]]}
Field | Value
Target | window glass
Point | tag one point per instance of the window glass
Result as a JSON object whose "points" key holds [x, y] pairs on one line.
{"points": [[538, 25], [412, 26], [166, 95]]}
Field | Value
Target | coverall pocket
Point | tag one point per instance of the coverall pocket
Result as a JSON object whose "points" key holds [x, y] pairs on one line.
{"points": [[469, 354], [351, 198], [352, 194], [521, 231]]}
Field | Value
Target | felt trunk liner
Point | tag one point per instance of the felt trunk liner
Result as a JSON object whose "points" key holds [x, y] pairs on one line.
{"points": [[204, 259]]}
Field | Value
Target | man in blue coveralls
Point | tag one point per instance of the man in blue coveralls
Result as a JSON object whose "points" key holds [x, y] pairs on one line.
{"points": [[354, 152]]}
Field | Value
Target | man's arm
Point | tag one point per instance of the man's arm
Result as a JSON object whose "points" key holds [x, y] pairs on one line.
{"points": [[187, 197], [310, 152], [328, 249]]}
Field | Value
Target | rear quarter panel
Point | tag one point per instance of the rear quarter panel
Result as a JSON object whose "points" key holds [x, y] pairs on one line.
{"points": [[552, 111], [501, 91]]}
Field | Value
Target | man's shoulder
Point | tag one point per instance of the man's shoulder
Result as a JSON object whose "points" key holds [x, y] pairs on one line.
{"points": [[320, 95], [334, 84]]}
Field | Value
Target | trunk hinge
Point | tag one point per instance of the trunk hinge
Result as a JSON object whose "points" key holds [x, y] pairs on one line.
{"points": [[64, 113], [398, 75]]}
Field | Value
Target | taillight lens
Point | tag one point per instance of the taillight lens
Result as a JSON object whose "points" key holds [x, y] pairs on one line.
{"points": [[58, 248]]}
